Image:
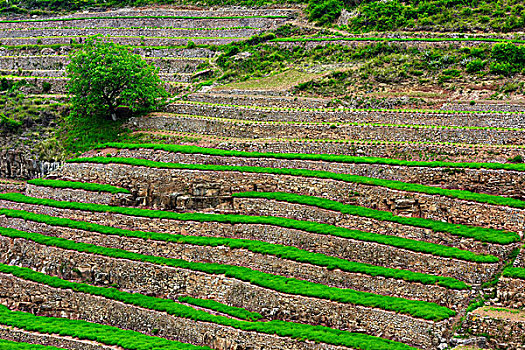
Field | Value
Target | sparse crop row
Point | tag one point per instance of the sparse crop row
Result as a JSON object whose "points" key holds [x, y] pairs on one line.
{"points": [[391, 184], [307, 226], [69, 19], [223, 308], [335, 124], [78, 185], [342, 141], [126, 28], [261, 247], [314, 157], [381, 39], [280, 328], [149, 58], [341, 109]]}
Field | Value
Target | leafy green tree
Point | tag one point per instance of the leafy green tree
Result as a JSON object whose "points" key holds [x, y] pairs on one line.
{"points": [[104, 76], [324, 12]]}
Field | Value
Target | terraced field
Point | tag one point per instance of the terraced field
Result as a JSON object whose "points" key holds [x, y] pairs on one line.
{"points": [[254, 220]]}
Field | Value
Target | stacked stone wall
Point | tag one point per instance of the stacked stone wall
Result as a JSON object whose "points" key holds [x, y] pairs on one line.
{"points": [[20, 165], [366, 252], [23, 336], [502, 120], [180, 188], [29, 296], [132, 41], [166, 65], [408, 151], [223, 128], [500, 182]]}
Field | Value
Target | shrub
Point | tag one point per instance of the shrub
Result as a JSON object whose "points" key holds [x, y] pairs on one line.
{"points": [[46, 86], [475, 66], [324, 12]]}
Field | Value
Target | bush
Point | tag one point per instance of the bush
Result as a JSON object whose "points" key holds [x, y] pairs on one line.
{"points": [[324, 12], [475, 66], [46, 86], [501, 68]]}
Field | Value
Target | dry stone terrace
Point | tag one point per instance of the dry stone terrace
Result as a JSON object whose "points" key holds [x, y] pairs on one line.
{"points": [[122, 245]]}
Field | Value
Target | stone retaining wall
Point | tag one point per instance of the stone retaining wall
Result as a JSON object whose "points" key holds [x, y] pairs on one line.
{"points": [[60, 62], [477, 120], [263, 207], [123, 41], [407, 151], [18, 165], [143, 51], [40, 299], [78, 195], [137, 32], [501, 333], [366, 252], [23, 336], [101, 22], [451, 298], [511, 292], [191, 189], [499, 182], [325, 131], [254, 100]]}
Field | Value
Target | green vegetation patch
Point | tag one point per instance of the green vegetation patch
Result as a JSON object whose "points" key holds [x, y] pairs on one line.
{"points": [[78, 185], [225, 309], [307, 226], [514, 272], [11, 345], [478, 233], [281, 251], [392, 184]]}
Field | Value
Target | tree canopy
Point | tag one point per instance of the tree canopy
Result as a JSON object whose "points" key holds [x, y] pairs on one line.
{"points": [[104, 76]]}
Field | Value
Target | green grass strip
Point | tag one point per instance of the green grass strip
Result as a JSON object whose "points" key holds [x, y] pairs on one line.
{"points": [[307, 226], [478, 233], [392, 184], [228, 310], [133, 17], [292, 286], [321, 39], [281, 251], [83, 330], [185, 149], [137, 341], [78, 185], [514, 272], [11, 345]]}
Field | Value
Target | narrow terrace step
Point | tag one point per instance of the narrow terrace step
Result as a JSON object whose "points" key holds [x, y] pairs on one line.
{"points": [[9, 337], [504, 182], [454, 152], [157, 185], [83, 32], [84, 332], [362, 247], [337, 115], [131, 40], [349, 131], [119, 21], [398, 283], [168, 282], [110, 311], [215, 97], [59, 62], [502, 327]]}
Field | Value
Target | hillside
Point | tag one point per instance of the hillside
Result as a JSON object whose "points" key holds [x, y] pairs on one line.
{"points": [[323, 175]]}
